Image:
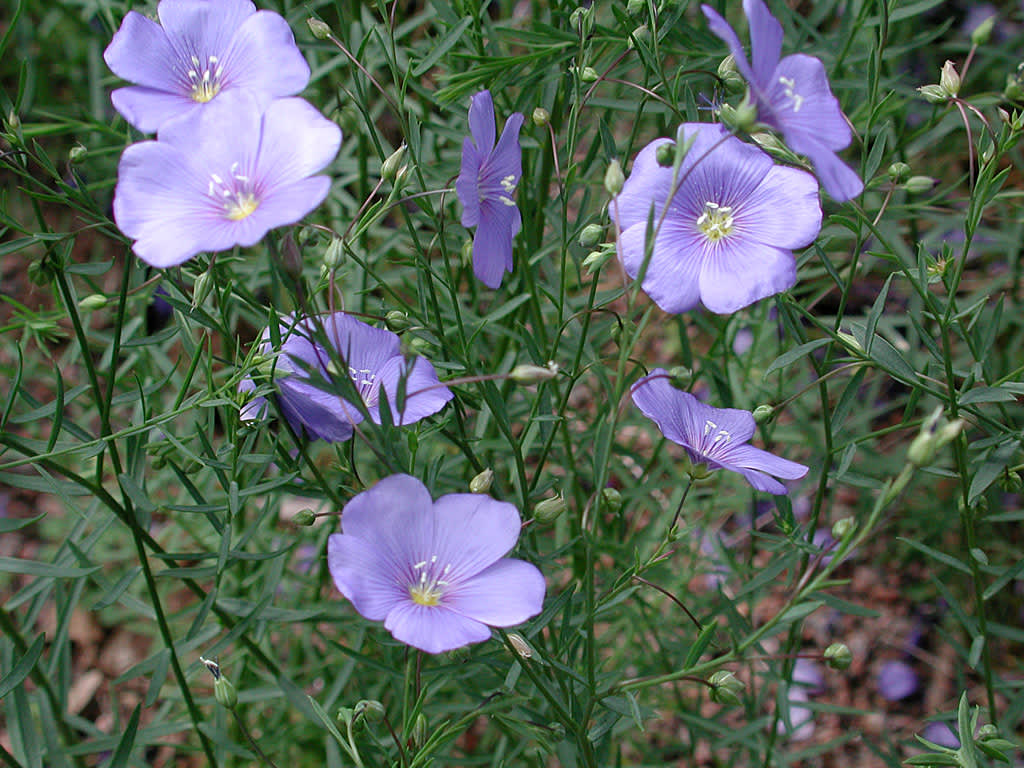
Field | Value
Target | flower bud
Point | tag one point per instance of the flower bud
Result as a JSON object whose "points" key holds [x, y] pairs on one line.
{"points": [[595, 260], [843, 528], [983, 31], [680, 377], [532, 374], [520, 646], [370, 710], [397, 321], [390, 167], [304, 517], [988, 731], [13, 122], [540, 117], [665, 154], [742, 117], [225, 692], [419, 731], [588, 75], [201, 288], [933, 94], [635, 7], [1010, 481], [915, 185], [93, 301], [482, 482], [416, 345], [319, 28], [548, 510], [725, 688], [77, 154], [640, 35], [730, 75], [614, 178], [591, 235], [949, 79], [334, 254], [611, 500], [1014, 90], [899, 173], [838, 656], [582, 20], [763, 413], [934, 434], [308, 237]]}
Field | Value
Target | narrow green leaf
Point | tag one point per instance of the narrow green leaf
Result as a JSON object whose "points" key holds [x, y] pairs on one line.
{"points": [[20, 670], [47, 570], [790, 357], [124, 746]]}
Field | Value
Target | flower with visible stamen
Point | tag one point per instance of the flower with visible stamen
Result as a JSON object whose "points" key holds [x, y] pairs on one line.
{"points": [[724, 222], [323, 347], [793, 96], [434, 572], [486, 187], [223, 177], [200, 50], [715, 437]]}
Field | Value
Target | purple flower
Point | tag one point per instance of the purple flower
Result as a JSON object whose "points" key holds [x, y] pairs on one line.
{"points": [[223, 177], [374, 363], [792, 95], [896, 680], [725, 233], [203, 50], [433, 571], [485, 187], [716, 437]]}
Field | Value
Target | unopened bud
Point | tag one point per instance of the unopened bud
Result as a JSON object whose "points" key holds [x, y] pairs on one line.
{"points": [[725, 688], [419, 730], [1010, 481], [680, 377], [915, 185], [482, 482], [77, 154], [614, 178], [202, 288], [397, 321], [769, 142], [934, 94], [988, 731], [611, 500], [934, 434], [899, 173], [635, 7], [730, 75], [640, 35], [304, 517], [742, 117], [838, 656], [319, 28], [1014, 90], [223, 690], [595, 260], [520, 646], [13, 121], [665, 154], [370, 710], [540, 117], [390, 167], [549, 510], [591, 235], [93, 301], [949, 79], [763, 413], [582, 20], [334, 254], [532, 374], [983, 31], [843, 528], [588, 75]]}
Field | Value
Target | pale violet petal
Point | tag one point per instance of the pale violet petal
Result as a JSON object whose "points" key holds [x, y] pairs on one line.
{"points": [[739, 272], [371, 583], [481, 121], [505, 594], [434, 629], [140, 53], [765, 39], [263, 58]]}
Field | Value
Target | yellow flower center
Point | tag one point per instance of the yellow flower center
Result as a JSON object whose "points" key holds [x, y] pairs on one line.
{"points": [[429, 588], [243, 205], [716, 221], [205, 82]]}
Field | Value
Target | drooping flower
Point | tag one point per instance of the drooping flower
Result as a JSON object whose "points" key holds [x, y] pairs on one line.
{"points": [[223, 177], [486, 183], [793, 96], [433, 571], [725, 234], [374, 362], [201, 50], [715, 437]]}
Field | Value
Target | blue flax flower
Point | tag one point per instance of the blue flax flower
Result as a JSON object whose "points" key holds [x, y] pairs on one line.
{"points": [[223, 177], [433, 571], [375, 365], [792, 96], [723, 235], [200, 50], [715, 437], [487, 181]]}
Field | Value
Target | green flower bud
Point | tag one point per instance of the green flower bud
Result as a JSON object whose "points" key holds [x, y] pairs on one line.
{"points": [[225, 693], [680, 377], [397, 321], [1010, 481], [591, 235], [635, 7], [308, 237], [482, 482], [611, 500], [416, 345], [589, 75], [915, 185], [202, 288], [532, 374], [77, 154], [640, 35], [390, 167], [582, 20], [983, 31], [949, 79], [93, 301], [934, 434], [419, 731], [730, 75], [595, 260], [549, 510], [370, 710], [725, 688], [614, 178], [763, 413], [520, 646], [934, 94], [304, 517], [899, 173], [13, 122], [665, 154], [742, 117], [319, 28], [1014, 90], [988, 731], [838, 656], [843, 528], [334, 254], [467, 253], [540, 117]]}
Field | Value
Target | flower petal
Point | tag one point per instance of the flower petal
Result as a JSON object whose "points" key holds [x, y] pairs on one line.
{"points": [[361, 576], [360, 345], [223, 136], [148, 109], [467, 186], [671, 278], [470, 532], [784, 210], [424, 396], [505, 594], [492, 243], [201, 28], [727, 34], [507, 158], [481, 121], [321, 415], [739, 272], [384, 514], [803, 105], [752, 462], [647, 186], [282, 205], [139, 52], [297, 141], [765, 39], [263, 58], [434, 629]]}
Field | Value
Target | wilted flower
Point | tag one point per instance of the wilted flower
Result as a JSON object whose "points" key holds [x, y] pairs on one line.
{"points": [[793, 96], [433, 572], [716, 437], [725, 236], [486, 183], [222, 177], [375, 365], [198, 52]]}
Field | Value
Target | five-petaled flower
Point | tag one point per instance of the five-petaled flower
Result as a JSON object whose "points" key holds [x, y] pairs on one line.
{"points": [[715, 437], [485, 187], [201, 50], [725, 234], [312, 352], [433, 571], [793, 96], [223, 177]]}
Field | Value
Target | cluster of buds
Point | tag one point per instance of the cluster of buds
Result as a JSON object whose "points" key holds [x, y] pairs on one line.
{"points": [[947, 88]]}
